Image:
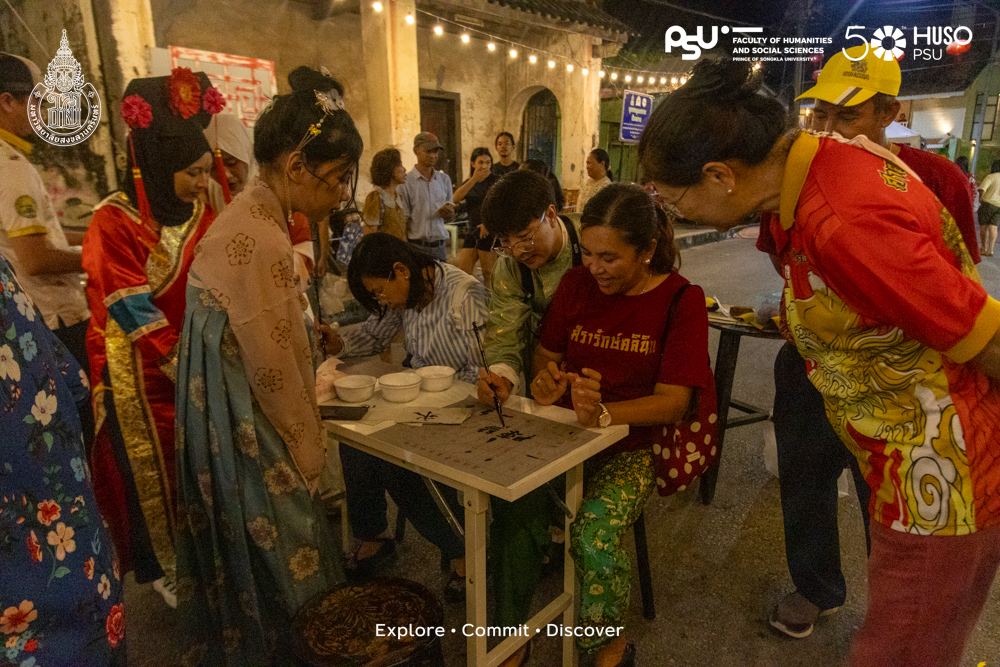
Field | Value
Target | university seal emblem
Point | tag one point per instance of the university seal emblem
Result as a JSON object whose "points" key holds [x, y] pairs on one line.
{"points": [[63, 109]]}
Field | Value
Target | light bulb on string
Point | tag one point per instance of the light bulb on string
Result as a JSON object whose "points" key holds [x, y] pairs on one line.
{"points": [[663, 80], [465, 37], [628, 78], [585, 71], [569, 67], [614, 76], [491, 46], [673, 80], [601, 74], [438, 30], [513, 53], [552, 63], [683, 80], [410, 19], [532, 59], [377, 6], [640, 79]]}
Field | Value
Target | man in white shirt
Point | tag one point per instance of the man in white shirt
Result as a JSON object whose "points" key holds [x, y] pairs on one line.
{"points": [[426, 199], [31, 237]]}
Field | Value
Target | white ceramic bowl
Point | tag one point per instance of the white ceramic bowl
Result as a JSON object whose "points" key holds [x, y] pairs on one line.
{"points": [[354, 388], [436, 378], [400, 387]]}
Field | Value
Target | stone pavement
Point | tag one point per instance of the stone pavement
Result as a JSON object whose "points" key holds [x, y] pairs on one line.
{"points": [[717, 570]]}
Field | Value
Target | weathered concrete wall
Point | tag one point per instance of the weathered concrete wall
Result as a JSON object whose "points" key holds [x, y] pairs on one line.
{"points": [[495, 89], [285, 33]]}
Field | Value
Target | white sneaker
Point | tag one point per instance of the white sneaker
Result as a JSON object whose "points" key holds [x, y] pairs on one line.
{"points": [[168, 589]]}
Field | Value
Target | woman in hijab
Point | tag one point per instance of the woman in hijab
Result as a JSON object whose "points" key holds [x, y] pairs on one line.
{"points": [[256, 544], [228, 135], [136, 253]]}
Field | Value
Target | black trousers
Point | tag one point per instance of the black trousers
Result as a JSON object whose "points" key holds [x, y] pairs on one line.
{"points": [[366, 480], [811, 457]]}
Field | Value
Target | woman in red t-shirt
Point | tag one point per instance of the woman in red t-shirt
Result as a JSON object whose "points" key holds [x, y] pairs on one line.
{"points": [[604, 354]]}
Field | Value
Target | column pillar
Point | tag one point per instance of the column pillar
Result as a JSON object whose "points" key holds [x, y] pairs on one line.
{"points": [[389, 47]]}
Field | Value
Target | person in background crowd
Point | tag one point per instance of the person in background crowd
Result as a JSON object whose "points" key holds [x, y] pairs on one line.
{"points": [[539, 167], [882, 301], [435, 306], [598, 166], [230, 136], [537, 247], [255, 544], [31, 237], [426, 199], [989, 208], [382, 212], [505, 151], [61, 590], [962, 162], [811, 457], [137, 252], [626, 285], [478, 245]]}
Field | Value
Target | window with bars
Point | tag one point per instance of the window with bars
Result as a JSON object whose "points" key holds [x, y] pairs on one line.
{"points": [[985, 114]]}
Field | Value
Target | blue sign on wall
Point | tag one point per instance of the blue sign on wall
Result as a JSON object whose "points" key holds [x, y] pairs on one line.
{"points": [[636, 108]]}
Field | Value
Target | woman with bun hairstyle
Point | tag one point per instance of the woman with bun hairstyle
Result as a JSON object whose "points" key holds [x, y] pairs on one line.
{"points": [[626, 288], [883, 302], [253, 542]]}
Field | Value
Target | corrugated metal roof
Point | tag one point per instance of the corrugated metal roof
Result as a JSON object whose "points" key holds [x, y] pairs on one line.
{"points": [[573, 11]]}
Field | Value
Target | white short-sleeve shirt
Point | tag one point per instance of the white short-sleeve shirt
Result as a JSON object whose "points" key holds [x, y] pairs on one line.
{"points": [[25, 209]]}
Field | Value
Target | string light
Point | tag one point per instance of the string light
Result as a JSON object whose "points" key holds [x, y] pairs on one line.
{"points": [[663, 80], [532, 59], [410, 19], [614, 76], [639, 79], [683, 80], [438, 30], [628, 78], [491, 46], [569, 67], [552, 63], [377, 6], [513, 53], [602, 74], [465, 38], [674, 80], [585, 71]]}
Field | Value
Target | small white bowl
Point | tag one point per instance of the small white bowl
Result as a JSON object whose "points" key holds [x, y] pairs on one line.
{"points": [[436, 378], [354, 388], [400, 387]]}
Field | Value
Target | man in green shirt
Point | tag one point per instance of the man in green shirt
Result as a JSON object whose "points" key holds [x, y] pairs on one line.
{"points": [[537, 247]]}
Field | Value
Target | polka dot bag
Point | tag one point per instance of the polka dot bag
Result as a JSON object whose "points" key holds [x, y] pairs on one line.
{"points": [[685, 450]]}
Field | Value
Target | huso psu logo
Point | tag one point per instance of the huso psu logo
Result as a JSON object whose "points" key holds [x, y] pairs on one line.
{"points": [[73, 109], [889, 43], [693, 44]]}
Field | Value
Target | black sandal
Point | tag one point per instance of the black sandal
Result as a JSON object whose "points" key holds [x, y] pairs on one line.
{"points": [[356, 570]]}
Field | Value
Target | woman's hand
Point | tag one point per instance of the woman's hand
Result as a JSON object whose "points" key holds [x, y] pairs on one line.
{"points": [[586, 393], [549, 385], [481, 174], [485, 394], [332, 344], [482, 232]]}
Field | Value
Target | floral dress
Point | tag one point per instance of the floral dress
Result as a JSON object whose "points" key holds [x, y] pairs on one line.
{"points": [[60, 585]]}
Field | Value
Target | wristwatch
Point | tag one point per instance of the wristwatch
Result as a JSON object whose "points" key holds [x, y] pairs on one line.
{"points": [[604, 420]]}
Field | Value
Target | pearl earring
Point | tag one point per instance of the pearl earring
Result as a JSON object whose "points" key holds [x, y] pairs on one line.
{"points": [[647, 261], [729, 192]]}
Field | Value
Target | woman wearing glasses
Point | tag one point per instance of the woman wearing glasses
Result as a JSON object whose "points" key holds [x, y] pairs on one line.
{"points": [[253, 543], [435, 305]]}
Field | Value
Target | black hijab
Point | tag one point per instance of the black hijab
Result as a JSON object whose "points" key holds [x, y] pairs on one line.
{"points": [[170, 144]]}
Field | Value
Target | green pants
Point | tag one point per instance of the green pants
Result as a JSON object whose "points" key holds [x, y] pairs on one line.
{"points": [[615, 491]]}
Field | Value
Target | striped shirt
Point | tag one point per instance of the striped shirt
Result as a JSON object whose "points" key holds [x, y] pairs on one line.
{"points": [[439, 335]]}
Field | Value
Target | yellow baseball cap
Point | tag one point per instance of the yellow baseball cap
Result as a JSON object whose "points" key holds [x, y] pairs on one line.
{"points": [[847, 82]]}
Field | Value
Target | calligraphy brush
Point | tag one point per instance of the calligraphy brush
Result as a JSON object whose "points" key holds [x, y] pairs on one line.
{"points": [[482, 352]]}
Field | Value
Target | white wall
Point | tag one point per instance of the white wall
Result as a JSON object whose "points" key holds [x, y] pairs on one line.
{"points": [[936, 117]]}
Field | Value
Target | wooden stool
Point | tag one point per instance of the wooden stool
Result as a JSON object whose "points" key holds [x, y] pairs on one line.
{"points": [[337, 628]]}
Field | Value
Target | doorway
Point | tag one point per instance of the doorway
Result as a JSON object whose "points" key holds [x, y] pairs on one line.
{"points": [[540, 128], [440, 114]]}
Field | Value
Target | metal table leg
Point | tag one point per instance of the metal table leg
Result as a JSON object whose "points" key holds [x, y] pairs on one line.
{"points": [[725, 371]]}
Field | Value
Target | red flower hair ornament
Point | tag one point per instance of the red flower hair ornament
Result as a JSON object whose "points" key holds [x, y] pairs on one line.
{"points": [[185, 92], [136, 112], [213, 101]]}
